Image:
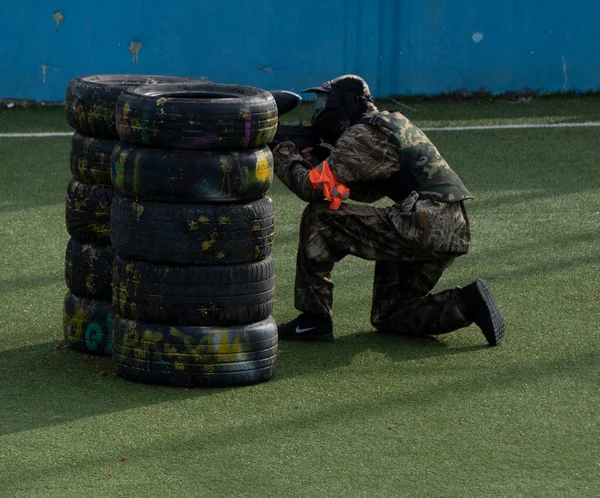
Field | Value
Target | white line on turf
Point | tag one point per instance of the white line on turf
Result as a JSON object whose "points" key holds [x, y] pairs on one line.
{"points": [[588, 124], [35, 135]]}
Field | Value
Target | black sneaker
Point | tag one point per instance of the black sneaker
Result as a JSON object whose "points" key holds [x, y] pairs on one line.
{"points": [[479, 306], [306, 327]]}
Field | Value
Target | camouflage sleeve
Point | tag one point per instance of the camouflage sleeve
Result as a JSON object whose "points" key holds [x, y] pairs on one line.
{"points": [[364, 154], [363, 157], [293, 171]]}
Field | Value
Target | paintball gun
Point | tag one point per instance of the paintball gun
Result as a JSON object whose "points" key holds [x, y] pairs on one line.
{"points": [[302, 136]]}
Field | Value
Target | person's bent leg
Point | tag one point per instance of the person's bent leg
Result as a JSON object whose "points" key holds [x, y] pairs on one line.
{"points": [[402, 302], [403, 240], [326, 237]]}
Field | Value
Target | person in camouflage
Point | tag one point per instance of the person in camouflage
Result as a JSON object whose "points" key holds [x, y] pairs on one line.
{"points": [[376, 155]]}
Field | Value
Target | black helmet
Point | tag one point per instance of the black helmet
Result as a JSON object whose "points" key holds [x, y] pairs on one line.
{"points": [[338, 104]]}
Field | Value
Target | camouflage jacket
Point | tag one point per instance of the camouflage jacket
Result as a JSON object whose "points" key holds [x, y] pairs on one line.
{"points": [[385, 156]]}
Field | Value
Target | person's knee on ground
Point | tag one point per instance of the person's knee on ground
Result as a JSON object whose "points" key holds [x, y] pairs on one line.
{"points": [[475, 304]]}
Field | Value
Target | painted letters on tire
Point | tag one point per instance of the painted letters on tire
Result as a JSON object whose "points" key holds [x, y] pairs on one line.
{"points": [[87, 324]]}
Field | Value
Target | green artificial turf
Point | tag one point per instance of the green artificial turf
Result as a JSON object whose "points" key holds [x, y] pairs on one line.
{"points": [[368, 415]]}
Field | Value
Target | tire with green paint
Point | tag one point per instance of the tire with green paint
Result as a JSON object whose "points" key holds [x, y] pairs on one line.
{"points": [[190, 176], [90, 159], [88, 270], [90, 100], [88, 212], [87, 324], [192, 234], [197, 116], [194, 295], [208, 356]]}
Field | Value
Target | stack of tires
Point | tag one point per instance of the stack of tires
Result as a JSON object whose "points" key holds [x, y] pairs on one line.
{"points": [[90, 107], [193, 229]]}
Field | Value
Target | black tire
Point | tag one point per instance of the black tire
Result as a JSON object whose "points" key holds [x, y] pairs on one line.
{"points": [[192, 234], [87, 324], [184, 176], [224, 362], [88, 270], [90, 159], [168, 377], [195, 356], [197, 116], [90, 100], [194, 295], [88, 212]]}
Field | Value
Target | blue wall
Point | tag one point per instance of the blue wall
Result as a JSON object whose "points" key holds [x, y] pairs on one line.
{"points": [[398, 46]]}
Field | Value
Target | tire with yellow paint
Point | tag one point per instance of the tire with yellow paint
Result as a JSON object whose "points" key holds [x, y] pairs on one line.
{"points": [[190, 176], [205, 116], [87, 324], [192, 234], [194, 295], [88, 212], [90, 100], [210, 356], [90, 159], [88, 270]]}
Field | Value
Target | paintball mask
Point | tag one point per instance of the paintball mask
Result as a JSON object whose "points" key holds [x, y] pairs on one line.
{"points": [[339, 103]]}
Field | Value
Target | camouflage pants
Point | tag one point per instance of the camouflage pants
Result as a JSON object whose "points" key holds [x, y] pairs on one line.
{"points": [[412, 244]]}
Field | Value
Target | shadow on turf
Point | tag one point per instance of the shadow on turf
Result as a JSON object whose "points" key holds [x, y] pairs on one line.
{"points": [[47, 384], [29, 282], [307, 358]]}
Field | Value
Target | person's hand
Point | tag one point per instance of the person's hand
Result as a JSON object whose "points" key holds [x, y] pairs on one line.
{"points": [[307, 154], [315, 155], [285, 148]]}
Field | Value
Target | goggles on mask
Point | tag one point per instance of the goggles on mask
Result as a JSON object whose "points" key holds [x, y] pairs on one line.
{"points": [[320, 104]]}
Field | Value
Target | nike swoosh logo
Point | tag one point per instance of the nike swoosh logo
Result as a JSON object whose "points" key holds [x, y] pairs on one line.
{"points": [[300, 331]]}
